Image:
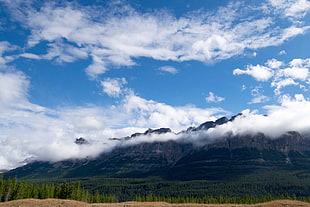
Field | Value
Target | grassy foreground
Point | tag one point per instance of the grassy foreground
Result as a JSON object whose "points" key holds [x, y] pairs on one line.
{"points": [[71, 203]]}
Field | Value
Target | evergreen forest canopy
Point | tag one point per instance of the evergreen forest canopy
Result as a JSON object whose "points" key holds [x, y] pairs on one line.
{"points": [[134, 190]]}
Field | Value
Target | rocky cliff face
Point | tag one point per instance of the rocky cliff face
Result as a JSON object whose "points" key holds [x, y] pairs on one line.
{"points": [[290, 141]]}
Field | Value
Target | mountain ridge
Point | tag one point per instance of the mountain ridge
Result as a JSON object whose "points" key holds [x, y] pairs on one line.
{"points": [[172, 159]]}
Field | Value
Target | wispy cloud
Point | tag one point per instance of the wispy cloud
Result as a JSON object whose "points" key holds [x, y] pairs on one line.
{"points": [[13, 87], [168, 69], [293, 9], [282, 52], [74, 32], [212, 98], [258, 97], [4, 48]]}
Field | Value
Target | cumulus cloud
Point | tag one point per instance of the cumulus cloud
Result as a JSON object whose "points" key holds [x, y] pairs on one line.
{"points": [[213, 98], [281, 74], [74, 32], [113, 87], [149, 113], [274, 64], [259, 72]]}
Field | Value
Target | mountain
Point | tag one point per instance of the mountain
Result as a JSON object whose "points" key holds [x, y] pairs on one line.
{"points": [[225, 157]]}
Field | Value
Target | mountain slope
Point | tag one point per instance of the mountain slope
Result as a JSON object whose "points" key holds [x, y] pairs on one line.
{"points": [[224, 158]]}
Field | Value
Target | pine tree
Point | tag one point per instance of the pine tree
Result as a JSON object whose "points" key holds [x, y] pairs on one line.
{"points": [[1, 188]]}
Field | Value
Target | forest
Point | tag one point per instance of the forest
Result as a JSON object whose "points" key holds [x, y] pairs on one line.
{"points": [[13, 189]]}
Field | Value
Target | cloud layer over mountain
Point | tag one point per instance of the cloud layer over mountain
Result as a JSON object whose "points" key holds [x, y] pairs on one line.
{"points": [[34, 132], [115, 36]]}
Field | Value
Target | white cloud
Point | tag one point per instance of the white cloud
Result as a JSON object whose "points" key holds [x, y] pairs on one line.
{"points": [[116, 39], [6, 47], [113, 87], [273, 63], [281, 84], [51, 133], [153, 114], [213, 98], [13, 88], [298, 9], [97, 67], [291, 115], [291, 8], [296, 72], [259, 72], [30, 56], [243, 87], [300, 63], [258, 97], [282, 52], [29, 131], [168, 69]]}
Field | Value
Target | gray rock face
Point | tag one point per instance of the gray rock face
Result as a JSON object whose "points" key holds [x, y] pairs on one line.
{"points": [[209, 124], [81, 141], [143, 157], [152, 131], [291, 141]]}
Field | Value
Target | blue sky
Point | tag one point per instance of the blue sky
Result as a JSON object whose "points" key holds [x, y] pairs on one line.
{"points": [[101, 69]]}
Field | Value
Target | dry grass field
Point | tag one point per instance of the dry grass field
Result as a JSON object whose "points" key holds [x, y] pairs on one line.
{"points": [[70, 203]]}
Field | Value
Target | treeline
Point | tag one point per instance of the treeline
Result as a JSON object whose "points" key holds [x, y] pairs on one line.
{"points": [[128, 189], [217, 199], [12, 189]]}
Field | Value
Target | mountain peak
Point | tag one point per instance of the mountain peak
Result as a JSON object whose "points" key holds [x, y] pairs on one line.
{"points": [[152, 131], [81, 141], [211, 124]]}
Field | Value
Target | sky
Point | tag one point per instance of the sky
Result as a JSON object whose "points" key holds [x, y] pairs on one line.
{"points": [[101, 69]]}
